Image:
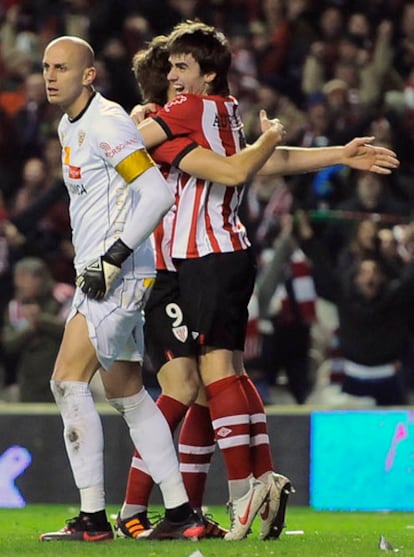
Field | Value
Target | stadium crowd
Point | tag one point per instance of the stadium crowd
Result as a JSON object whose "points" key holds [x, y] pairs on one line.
{"points": [[330, 71]]}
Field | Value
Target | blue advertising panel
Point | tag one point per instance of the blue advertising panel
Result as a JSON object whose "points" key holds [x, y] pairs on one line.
{"points": [[362, 460]]}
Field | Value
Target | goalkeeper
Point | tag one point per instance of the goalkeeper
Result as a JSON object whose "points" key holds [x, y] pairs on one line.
{"points": [[117, 197]]}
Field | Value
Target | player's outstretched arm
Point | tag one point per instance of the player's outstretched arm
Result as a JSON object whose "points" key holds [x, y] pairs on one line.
{"points": [[358, 153], [361, 155]]}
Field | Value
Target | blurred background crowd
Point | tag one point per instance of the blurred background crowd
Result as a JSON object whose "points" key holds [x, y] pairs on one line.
{"points": [[330, 71]]}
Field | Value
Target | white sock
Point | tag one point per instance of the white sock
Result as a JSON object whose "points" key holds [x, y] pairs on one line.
{"points": [[128, 510], [152, 438], [238, 488], [83, 437]]}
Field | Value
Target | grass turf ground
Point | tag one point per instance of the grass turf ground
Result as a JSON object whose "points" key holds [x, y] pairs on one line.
{"points": [[325, 534]]}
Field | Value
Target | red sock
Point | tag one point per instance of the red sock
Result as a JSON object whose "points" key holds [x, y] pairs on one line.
{"points": [[139, 483], [196, 447], [260, 448], [229, 413]]}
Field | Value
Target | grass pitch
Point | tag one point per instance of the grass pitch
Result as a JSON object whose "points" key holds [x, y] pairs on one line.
{"points": [[318, 534]]}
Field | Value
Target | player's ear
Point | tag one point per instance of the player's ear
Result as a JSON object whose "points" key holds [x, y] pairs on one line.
{"points": [[89, 75], [209, 77]]}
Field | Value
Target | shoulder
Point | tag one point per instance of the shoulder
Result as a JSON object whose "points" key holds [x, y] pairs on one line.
{"points": [[112, 128], [104, 108], [181, 103], [171, 151]]}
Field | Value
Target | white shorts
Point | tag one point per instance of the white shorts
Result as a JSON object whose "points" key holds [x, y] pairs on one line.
{"points": [[116, 324]]}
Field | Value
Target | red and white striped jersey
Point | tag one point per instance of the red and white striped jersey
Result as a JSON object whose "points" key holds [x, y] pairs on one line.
{"points": [[167, 155], [206, 214]]}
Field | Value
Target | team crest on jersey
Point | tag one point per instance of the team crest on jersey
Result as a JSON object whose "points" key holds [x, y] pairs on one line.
{"points": [[180, 99], [81, 137], [181, 333]]}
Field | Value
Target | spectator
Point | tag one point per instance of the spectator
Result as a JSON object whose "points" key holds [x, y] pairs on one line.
{"points": [[404, 51], [389, 251], [372, 195], [286, 297], [19, 31], [267, 199], [40, 213], [364, 243], [375, 73], [272, 97], [360, 25], [346, 115], [12, 248], [323, 51], [18, 66], [33, 327], [34, 180], [34, 121], [374, 321], [117, 60]]}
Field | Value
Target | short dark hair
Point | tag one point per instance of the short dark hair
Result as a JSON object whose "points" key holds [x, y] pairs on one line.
{"points": [[208, 46]]}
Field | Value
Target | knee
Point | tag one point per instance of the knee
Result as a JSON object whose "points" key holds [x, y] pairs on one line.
{"points": [[180, 380], [56, 388]]}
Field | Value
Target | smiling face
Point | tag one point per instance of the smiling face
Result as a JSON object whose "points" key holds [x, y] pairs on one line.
{"points": [[68, 73], [185, 75]]}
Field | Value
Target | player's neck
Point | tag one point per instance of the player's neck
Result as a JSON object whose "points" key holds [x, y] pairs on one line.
{"points": [[79, 108]]}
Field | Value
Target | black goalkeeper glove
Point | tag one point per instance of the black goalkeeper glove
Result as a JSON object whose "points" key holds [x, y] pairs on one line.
{"points": [[98, 277]]}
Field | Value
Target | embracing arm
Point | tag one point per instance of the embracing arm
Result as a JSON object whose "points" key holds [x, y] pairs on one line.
{"points": [[208, 165], [152, 132], [235, 169]]}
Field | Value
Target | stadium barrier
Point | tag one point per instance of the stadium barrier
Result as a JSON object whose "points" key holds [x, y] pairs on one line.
{"points": [[336, 459], [37, 429]]}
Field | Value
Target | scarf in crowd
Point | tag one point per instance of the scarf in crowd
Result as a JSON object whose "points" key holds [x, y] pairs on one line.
{"points": [[295, 300]]}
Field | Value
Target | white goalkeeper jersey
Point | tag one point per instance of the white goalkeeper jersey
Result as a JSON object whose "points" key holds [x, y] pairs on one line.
{"points": [[102, 137]]}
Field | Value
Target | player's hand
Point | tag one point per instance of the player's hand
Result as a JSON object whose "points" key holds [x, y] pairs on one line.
{"points": [[97, 278], [275, 125], [141, 111], [361, 155]]}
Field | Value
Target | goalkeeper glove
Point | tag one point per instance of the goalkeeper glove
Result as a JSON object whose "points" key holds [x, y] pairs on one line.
{"points": [[98, 277]]}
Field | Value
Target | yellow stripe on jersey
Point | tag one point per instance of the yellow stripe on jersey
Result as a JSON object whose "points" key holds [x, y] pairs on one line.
{"points": [[149, 282], [134, 165]]}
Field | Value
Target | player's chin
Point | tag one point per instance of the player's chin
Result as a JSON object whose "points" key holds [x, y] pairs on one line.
{"points": [[52, 97]]}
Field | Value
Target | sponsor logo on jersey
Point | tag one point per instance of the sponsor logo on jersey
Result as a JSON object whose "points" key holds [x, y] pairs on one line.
{"points": [[227, 121], [74, 172], [76, 189], [110, 151]]}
